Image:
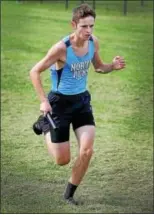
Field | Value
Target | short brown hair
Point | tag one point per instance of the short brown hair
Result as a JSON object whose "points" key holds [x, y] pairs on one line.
{"points": [[82, 11]]}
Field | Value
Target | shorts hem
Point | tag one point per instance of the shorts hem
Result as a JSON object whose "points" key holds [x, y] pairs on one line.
{"points": [[74, 128]]}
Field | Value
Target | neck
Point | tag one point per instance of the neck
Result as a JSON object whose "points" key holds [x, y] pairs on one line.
{"points": [[77, 40]]}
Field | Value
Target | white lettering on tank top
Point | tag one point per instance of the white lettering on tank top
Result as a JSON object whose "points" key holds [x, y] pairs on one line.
{"points": [[80, 69]]}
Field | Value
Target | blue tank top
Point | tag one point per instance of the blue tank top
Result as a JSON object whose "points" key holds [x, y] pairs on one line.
{"points": [[72, 78]]}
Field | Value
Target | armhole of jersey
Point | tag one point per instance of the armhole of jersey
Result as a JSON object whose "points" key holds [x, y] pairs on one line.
{"points": [[59, 71]]}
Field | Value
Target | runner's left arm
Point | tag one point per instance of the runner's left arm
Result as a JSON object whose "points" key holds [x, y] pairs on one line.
{"points": [[118, 62]]}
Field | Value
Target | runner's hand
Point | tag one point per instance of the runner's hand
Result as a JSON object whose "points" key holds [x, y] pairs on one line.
{"points": [[118, 63], [45, 107]]}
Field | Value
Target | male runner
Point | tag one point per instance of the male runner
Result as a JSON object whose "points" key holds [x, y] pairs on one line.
{"points": [[69, 100]]}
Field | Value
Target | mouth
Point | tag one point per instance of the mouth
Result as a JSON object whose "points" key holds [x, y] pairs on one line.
{"points": [[88, 35]]}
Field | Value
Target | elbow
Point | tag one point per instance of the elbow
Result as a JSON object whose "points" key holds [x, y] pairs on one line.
{"points": [[99, 71], [33, 74]]}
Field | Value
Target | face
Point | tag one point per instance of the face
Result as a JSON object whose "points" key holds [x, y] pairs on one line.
{"points": [[84, 28]]}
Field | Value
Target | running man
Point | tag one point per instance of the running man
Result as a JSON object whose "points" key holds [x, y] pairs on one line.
{"points": [[69, 101]]}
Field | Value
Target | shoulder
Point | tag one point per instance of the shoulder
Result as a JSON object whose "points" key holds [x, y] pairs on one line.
{"points": [[59, 46], [57, 50]]}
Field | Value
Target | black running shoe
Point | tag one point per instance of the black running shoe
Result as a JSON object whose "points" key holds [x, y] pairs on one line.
{"points": [[71, 201], [37, 126]]}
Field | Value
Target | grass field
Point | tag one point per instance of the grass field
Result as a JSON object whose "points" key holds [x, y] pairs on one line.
{"points": [[120, 177]]}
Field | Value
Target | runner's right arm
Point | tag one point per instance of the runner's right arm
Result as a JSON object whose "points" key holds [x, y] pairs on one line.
{"points": [[53, 55]]}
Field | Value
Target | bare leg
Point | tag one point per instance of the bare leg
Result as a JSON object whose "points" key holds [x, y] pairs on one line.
{"points": [[60, 151], [85, 136]]}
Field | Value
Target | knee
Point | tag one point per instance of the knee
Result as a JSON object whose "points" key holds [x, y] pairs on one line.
{"points": [[86, 153], [62, 161]]}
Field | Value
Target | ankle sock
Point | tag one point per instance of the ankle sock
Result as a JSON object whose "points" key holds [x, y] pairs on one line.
{"points": [[70, 190]]}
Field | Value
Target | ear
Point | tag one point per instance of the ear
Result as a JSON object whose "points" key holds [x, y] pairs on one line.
{"points": [[74, 25]]}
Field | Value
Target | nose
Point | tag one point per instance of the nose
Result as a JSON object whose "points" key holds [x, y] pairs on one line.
{"points": [[88, 29]]}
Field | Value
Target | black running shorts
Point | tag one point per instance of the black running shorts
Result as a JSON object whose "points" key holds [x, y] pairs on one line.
{"points": [[66, 110]]}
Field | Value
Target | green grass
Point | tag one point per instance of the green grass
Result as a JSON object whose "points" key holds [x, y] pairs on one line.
{"points": [[120, 177]]}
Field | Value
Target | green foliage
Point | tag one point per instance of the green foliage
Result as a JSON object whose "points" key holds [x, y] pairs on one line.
{"points": [[120, 176]]}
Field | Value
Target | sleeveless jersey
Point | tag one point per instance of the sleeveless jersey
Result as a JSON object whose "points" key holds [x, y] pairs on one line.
{"points": [[72, 78]]}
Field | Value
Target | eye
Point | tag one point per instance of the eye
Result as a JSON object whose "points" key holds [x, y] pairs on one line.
{"points": [[86, 26]]}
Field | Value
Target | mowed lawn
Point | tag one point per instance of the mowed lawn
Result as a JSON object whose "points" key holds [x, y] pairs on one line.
{"points": [[120, 176]]}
